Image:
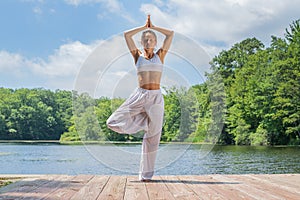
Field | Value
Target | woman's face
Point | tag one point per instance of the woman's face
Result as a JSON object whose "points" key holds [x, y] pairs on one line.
{"points": [[149, 41]]}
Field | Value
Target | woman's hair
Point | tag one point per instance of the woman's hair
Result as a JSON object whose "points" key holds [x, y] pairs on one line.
{"points": [[148, 31]]}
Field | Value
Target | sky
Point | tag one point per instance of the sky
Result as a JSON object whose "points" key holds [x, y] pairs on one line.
{"points": [[63, 44]]}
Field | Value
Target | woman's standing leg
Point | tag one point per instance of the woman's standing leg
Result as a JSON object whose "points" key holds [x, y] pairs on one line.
{"points": [[151, 138]]}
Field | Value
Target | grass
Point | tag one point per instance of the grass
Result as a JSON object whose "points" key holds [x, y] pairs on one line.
{"points": [[4, 181]]}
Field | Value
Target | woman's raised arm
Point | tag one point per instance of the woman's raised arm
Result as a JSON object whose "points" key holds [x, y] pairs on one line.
{"points": [[167, 41], [130, 42]]}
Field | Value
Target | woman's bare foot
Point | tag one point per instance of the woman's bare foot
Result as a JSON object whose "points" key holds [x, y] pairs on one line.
{"points": [[146, 180]]}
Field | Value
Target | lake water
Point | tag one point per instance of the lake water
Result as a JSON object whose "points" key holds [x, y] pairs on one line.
{"points": [[173, 159]]}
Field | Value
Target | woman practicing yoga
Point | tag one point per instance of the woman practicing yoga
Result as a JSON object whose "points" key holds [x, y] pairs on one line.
{"points": [[144, 109]]}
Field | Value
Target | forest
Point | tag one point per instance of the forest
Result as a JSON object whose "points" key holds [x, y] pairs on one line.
{"points": [[251, 97]]}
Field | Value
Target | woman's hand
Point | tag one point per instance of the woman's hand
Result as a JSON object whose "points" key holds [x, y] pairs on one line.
{"points": [[149, 23]]}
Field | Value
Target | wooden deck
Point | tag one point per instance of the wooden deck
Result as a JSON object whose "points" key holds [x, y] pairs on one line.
{"points": [[85, 187]]}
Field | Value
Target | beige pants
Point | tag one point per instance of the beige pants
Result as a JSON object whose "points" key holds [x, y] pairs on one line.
{"points": [[143, 110]]}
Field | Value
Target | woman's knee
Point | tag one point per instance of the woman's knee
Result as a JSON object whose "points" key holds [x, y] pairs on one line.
{"points": [[109, 122], [112, 124]]}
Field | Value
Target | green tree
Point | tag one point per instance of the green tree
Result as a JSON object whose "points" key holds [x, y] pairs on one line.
{"points": [[293, 34], [202, 113], [85, 119], [172, 116], [71, 134], [104, 109]]}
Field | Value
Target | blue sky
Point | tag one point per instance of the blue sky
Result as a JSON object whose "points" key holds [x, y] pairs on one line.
{"points": [[36, 28], [43, 43]]}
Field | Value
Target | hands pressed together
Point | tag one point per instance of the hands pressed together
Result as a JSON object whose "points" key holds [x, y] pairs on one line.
{"points": [[149, 23]]}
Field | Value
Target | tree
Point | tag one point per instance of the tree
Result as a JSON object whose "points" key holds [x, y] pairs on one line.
{"points": [[85, 119], [104, 109], [293, 35], [172, 116]]}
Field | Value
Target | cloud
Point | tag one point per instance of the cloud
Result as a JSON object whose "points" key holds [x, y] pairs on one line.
{"points": [[37, 10], [224, 22], [112, 6], [102, 68], [59, 69], [65, 61], [12, 63]]}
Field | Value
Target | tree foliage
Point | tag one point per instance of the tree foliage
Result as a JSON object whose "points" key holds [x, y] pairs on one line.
{"points": [[35, 114], [263, 99]]}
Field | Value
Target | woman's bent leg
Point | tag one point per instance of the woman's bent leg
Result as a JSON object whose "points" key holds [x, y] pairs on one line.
{"points": [[130, 117]]}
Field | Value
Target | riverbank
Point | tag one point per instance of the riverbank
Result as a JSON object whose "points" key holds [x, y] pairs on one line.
{"points": [[30, 141], [87, 142], [120, 142]]}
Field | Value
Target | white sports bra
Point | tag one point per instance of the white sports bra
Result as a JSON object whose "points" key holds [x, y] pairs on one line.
{"points": [[152, 64]]}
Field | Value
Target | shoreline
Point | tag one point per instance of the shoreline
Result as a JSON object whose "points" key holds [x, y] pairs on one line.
{"points": [[88, 142], [58, 142]]}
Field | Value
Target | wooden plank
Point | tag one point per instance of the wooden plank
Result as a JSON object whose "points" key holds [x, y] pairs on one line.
{"points": [[243, 189], [114, 189], [200, 185], [257, 188], [60, 189], [24, 188], [135, 189], [44, 189], [291, 177], [289, 182], [23, 182], [228, 187], [74, 186], [92, 189], [295, 178], [275, 188], [178, 188], [157, 189], [250, 189]]}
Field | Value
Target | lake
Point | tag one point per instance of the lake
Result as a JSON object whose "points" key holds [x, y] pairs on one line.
{"points": [[172, 159]]}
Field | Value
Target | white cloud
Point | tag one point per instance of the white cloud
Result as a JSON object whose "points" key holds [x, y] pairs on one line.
{"points": [[37, 10], [224, 22], [9, 61], [59, 69], [52, 10], [97, 68], [12, 63], [112, 6], [104, 68], [65, 61]]}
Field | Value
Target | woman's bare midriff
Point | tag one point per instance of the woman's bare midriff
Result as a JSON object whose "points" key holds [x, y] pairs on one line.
{"points": [[150, 86], [149, 80]]}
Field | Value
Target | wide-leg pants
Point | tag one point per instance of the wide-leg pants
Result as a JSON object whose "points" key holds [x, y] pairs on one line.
{"points": [[143, 110]]}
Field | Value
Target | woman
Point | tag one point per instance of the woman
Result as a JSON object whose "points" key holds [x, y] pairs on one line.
{"points": [[144, 109]]}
